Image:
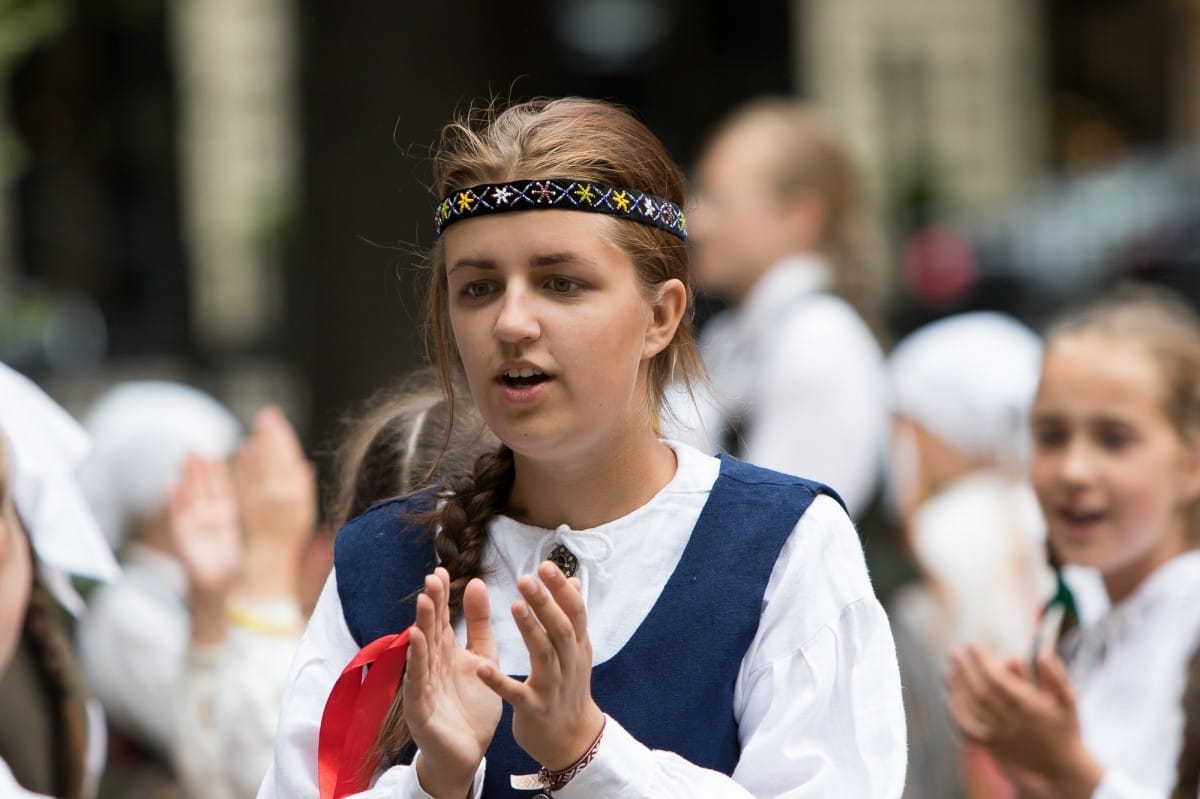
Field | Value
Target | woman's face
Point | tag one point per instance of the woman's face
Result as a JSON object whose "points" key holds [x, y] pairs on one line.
{"points": [[1113, 476], [554, 331], [16, 580]]}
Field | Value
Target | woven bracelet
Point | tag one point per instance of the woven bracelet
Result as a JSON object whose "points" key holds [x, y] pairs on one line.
{"points": [[551, 781]]}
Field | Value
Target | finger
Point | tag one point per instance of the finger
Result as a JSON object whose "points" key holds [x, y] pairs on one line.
{"points": [[210, 476], [566, 597], [432, 621], [1018, 668], [1002, 691], [477, 614], [967, 685], [416, 668], [576, 584], [186, 484], [965, 719], [443, 594], [425, 623], [515, 692], [278, 433], [543, 660], [1053, 677], [222, 481], [557, 627]]}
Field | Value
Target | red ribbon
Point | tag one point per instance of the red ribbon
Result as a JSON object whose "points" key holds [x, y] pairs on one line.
{"points": [[354, 713]]}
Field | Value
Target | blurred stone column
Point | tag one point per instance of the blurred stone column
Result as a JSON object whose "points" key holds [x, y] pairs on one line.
{"points": [[955, 81], [8, 252], [1186, 103], [237, 73]]}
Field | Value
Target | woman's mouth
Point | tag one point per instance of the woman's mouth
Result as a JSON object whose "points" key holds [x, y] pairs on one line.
{"points": [[525, 377], [1079, 523]]}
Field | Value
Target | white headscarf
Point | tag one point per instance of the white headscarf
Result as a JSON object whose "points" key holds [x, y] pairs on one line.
{"points": [[141, 432], [970, 379], [47, 446]]}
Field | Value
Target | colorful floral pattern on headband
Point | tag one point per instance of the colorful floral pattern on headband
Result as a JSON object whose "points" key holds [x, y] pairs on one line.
{"points": [[572, 195]]}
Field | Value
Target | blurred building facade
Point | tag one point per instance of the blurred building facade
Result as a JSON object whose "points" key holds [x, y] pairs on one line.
{"points": [[237, 188]]}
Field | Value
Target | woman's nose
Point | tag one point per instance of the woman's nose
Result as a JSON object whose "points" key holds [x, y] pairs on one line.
{"points": [[516, 321]]}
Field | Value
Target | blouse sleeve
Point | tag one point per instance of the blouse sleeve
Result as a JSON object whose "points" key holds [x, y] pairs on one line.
{"points": [[1115, 785], [325, 649], [229, 699], [818, 697]]}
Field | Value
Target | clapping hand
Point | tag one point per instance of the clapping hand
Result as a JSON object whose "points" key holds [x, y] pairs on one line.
{"points": [[451, 714], [276, 488], [204, 526], [1031, 729], [555, 718]]}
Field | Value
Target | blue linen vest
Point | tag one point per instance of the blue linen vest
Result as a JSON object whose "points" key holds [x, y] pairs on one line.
{"points": [[671, 686]]}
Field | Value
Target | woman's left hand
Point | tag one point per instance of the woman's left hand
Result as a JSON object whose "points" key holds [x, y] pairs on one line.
{"points": [[1032, 729], [555, 719]]}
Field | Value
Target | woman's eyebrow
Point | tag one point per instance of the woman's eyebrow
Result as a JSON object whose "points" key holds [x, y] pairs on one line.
{"points": [[472, 263], [559, 258]]}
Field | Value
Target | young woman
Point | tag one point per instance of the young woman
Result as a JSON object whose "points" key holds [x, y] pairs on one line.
{"points": [[52, 738], [1116, 428], [611, 614]]}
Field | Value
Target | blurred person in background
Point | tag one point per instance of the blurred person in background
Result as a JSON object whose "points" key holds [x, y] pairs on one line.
{"points": [[403, 438], [797, 376], [241, 537], [189, 650], [961, 392], [134, 637], [1116, 468], [52, 735]]}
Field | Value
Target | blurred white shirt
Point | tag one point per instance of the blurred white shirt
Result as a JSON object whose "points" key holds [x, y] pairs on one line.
{"points": [[1129, 670], [11, 789], [210, 712], [818, 694], [800, 376]]}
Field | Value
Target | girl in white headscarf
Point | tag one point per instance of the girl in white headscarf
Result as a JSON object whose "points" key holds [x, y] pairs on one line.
{"points": [[962, 388], [189, 650], [133, 639], [46, 535]]}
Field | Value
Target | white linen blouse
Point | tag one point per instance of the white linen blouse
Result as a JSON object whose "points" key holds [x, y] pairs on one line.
{"points": [[1129, 670], [818, 694], [806, 375]]}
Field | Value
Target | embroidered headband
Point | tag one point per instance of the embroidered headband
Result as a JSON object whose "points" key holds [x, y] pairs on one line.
{"points": [[571, 195]]}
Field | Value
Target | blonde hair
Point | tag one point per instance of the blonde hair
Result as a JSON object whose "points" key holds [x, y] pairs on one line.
{"points": [[568, 138], [402, 440], [805, 153]]}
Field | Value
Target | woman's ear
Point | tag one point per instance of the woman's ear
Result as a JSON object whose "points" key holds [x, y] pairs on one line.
{"points": [[667, 310]]}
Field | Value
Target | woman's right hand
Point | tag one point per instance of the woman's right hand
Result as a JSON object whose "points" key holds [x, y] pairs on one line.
{"points": [[451, 714]]}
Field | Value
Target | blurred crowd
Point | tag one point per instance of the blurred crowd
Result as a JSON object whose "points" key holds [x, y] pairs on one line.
{"points": [[158, 559]]}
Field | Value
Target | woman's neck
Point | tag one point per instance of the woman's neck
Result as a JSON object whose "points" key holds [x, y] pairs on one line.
{"points": [[586, 493], [1122, 582]]}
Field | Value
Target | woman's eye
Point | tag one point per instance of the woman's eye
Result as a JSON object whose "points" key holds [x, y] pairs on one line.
{"points": [[562, 285], [1115, 441], [1049, 439], [476, 290]]}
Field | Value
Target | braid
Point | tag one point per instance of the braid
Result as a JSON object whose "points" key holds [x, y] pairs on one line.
{"points": [[1188, 767], [52, 648], [468, 503]]}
